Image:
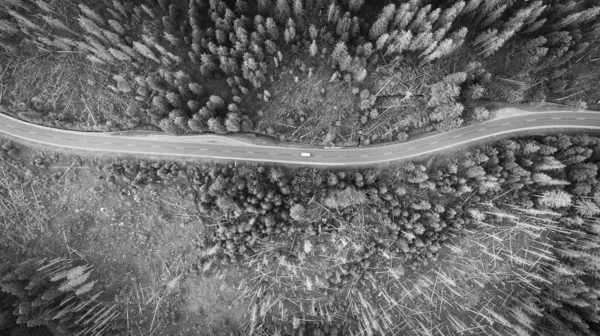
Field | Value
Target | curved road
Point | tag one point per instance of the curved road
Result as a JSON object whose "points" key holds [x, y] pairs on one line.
{"points": [[184, 147]]}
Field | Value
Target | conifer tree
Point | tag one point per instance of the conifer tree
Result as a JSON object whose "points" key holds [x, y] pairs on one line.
{"points": [[299, 11], [555, 199], [282, 11], [380, 26], [332, 12], [313, 48], [343, 27], [265, 6], [145, 51], [91, 14], [471, 7], [420, 18], [403, 17], [355, 5], [493, 16], [272, 29], [450, 14]]}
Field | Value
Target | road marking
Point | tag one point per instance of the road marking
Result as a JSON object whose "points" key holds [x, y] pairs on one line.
{"points": [[364, 155], [11, 126], [505, 124], [483, 129], [83, 140], [411, 148], [55, 137], [226, 151], [249, 152], [433, 143], [130, 145], [180, 147], [580, 118], [273, 153], [388, 153], [32, 132], [555, 118], [155, 146], [201, 149], [531, 120], [458, 136]]}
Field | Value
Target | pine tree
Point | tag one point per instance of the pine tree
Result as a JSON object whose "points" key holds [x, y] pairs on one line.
{"points": [[272, 29], [332, 12], [400, 43], [91, 14], [579, 18], [420, 18], [450, 15], [493, 16], [116, 26], [145, 51], [265, 6], [343, 27], [555, 199], [421, 41], [282, 11], [471, 7], [403, 17], [381, 41], [383, 20], [298, 10], [313, 48], [355, 5]]}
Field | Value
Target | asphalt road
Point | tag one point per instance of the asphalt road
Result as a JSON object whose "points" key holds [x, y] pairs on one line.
{"points": [[182, 146]]}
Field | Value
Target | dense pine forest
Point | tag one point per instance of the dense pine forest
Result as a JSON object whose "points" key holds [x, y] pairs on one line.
{"points": [[501, 239], [312, 71]]}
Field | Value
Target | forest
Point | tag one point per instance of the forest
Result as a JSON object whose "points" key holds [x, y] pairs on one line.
{"points": [[310, 71], [501, 239]]}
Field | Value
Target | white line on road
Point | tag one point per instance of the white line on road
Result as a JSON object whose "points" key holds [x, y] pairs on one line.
{"points": [[555, 118], [11, 126], [364, 155], [580, 118], [180, 147], [155, 146], [411, 148], [505, 124], [483, 129], [32, 132], [433, 143], [388, 153], [226, 151], [458, 136], [531, 120]]}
